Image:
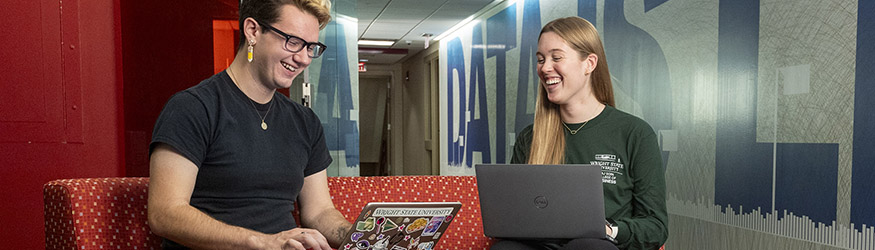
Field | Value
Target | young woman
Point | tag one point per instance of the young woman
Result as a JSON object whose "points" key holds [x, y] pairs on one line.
{"points": [[576, 123]]}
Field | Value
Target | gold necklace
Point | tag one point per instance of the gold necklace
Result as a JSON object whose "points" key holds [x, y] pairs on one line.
{"points": [[263, 124], [578, 128]]}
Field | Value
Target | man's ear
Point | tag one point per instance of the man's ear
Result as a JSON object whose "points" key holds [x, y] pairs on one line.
{"points": [[251, 29], [591, 61]]}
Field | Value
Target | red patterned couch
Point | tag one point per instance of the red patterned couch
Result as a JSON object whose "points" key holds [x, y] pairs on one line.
{"points": [[110, 213]]}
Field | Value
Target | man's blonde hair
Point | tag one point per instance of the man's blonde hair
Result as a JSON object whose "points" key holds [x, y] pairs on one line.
{"points": [[269, 11]]}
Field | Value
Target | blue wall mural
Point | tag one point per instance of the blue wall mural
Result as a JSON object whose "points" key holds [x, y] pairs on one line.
{"points": [[758, 132], [456, 67], [736, 117], [863, 191], [528, 75], [809, 169], [335, 82], [628, 48], [334, 89], [500, 38]]}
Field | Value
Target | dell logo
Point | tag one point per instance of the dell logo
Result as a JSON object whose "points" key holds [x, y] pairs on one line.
{"points": [[541, 202]]}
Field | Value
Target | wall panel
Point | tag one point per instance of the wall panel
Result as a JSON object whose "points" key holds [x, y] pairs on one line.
{"points": [[759, 106]]}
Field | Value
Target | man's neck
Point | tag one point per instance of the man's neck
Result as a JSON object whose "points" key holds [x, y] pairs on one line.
{"points": [[242, 73]]}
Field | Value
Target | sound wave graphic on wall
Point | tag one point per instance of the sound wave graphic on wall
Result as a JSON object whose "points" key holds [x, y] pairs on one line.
{"points": [[787, 224]]}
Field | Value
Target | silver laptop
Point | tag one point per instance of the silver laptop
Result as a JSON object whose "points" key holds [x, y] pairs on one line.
{"points": [[541, 201]]}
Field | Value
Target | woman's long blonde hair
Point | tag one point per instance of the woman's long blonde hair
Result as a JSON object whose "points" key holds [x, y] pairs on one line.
{"points": [[548, 134]]}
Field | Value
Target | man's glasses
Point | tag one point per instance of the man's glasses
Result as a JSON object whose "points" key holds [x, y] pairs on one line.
{"points": [[295, 44]]}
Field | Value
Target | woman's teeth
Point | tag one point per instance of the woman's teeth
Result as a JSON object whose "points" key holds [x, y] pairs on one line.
{"points": [[552, 81]]}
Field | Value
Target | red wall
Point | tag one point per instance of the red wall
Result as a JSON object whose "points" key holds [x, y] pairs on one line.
{"points": [[63, 101], [62, 114], [168, 47]]}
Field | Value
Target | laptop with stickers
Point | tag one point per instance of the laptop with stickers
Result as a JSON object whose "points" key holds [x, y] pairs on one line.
{"points": [[400, 225], [541, 201]]}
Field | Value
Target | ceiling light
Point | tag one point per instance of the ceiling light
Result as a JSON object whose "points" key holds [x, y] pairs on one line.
{"points": [[376, 42], [471, 20], [463, 25]]}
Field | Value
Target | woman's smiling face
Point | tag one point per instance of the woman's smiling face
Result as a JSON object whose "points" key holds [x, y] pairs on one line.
{"points": [[564, 73]]}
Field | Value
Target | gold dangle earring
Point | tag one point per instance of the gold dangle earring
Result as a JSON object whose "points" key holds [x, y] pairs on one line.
{"points": [[249, 50]]}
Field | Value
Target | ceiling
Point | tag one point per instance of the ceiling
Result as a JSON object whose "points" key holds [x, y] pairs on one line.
{"points": [[405, 21]]}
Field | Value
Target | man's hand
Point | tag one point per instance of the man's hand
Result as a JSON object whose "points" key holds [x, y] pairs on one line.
{"points": [[318, 212], [297, 238]]}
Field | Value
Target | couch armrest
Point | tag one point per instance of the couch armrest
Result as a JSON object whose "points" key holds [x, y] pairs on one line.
{"points": [[98, 213]]}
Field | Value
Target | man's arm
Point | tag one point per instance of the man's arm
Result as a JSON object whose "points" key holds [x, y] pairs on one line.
{"points": [[318, 211], [171, 182]]}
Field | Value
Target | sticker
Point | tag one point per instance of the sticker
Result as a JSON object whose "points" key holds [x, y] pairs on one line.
{"points": [[363, 244], [388, 225], [433, 226], [401, 228], [356, 236], [372, 237], [381, 244], [417, 225], [396, 247], [425, 246], [414, 241], [436, 235], [396, 238], [380, 222], [406, 237], [449, 218], [347, 246], [365, 226], [406, 220]]}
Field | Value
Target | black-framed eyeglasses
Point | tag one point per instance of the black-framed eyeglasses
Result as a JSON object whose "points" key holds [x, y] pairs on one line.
{"points": [[295, 44]]}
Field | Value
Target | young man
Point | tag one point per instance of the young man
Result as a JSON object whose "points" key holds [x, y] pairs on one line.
{"points": [[231, 156]]}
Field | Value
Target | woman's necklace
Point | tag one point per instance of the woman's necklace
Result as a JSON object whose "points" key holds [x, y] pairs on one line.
{"points": [[263, 124], [573, 132], [578, 128]]}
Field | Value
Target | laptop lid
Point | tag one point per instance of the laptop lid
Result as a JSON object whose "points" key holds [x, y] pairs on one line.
{"points": [[400, 225], [541, 201]]}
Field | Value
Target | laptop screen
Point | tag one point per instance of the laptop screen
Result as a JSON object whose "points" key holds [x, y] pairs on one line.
{"points": [[541, 201]]}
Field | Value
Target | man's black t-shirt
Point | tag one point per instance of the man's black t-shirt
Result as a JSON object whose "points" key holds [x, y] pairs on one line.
{"points": [[247, 176]]}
